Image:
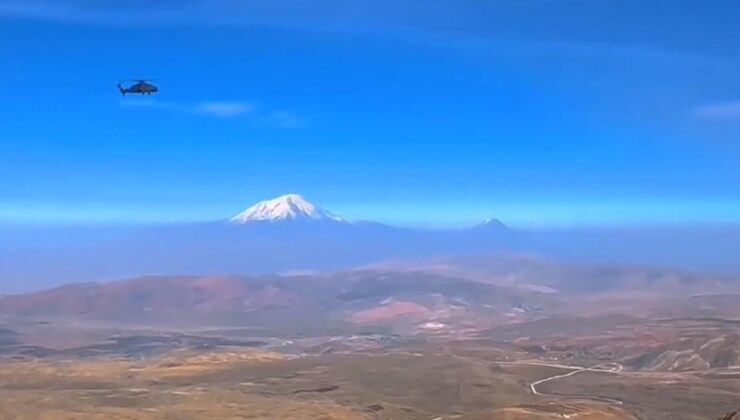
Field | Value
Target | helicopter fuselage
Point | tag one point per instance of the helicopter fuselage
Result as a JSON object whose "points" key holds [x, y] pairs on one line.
{"points": [[141, 88]]}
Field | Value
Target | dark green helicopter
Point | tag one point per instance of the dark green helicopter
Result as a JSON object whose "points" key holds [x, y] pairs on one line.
{"points": [[140, 87]]}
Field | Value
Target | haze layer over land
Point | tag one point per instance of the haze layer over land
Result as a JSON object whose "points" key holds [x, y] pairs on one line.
{"points": [[289, 233]]}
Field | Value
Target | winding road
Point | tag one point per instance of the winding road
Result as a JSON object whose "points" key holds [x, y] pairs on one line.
{"points": [[614, 368]]}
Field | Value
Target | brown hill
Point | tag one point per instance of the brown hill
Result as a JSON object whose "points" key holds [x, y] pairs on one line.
{"points": [[338, 299], [537, 273], [693, 354], [147, 297], [390, 311]]}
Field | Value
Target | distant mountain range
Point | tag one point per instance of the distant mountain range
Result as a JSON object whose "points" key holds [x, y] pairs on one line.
{"points": [[283, 234], [429, 293], [289, 234]]}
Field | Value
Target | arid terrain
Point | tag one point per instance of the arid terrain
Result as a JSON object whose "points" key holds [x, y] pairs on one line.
{"points": [[453, 340]]}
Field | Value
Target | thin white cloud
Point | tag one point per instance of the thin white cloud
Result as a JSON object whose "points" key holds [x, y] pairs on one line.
{"points": [[224, 109], [719, 111], [70, 11], [138, 12], [219, 109], [386, 17]]}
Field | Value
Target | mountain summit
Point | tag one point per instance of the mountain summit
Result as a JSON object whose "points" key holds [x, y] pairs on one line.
{"points": [[492, 224], [286, 207]]}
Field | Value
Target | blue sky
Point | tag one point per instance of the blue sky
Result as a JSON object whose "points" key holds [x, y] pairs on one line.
{"points": [[439, 112]]}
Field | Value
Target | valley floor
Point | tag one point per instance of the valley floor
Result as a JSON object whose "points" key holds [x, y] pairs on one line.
{"points": [[371, 376]]}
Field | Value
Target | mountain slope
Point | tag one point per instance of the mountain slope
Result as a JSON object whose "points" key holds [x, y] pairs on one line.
{"points": [[293, 302], [286, 207]]}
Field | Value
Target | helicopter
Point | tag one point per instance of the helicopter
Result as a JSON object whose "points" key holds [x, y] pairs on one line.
{"points": [[141, 87]]}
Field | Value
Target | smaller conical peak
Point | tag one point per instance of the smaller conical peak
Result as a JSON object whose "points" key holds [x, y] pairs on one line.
{"points": [[285, 207], [492, 223]]}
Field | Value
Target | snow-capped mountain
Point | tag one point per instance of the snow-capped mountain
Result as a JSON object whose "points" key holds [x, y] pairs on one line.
{"points": [[285, 207]]}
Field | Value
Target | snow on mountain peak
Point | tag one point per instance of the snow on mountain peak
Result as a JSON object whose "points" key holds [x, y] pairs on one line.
{"points": [[286, 207]]}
